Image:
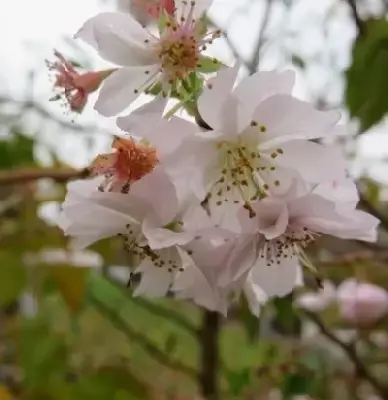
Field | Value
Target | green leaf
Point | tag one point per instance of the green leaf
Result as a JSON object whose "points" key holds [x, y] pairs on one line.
{"points": [[72, 284], [112, 382], [42, 354], [12, 277], [208, 64], [297, 384], [238, 381], [287, 320], [298, 61], [16, 150], [250, 322], [367, 78], [154, 89]]}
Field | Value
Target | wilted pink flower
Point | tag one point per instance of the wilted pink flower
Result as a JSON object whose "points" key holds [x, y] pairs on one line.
{"points": [[72, 85], [129, 163], [361, 304]]}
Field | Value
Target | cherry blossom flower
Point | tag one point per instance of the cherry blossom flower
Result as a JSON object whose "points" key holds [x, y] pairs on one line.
{"points": [[285, 225], [142, 217], [193, 282], [146, 59], [361, 304], [131, 161], [74, 87], [259, 144]]}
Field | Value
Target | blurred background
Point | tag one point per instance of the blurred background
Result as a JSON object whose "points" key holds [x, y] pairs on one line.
{"points": [[69, 328]]}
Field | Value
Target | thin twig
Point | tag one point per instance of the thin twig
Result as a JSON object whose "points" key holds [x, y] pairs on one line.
{"points": [[356, 16], [22, 176], [141, 339], [253, 64], [350, 350], [231, 45], [39, 109]]}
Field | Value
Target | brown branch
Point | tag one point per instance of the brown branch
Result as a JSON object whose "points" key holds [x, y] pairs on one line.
{"points": [[210, 357], [253, 64], [232, 47], [11, 177], [356, 16], [141, 339], [39, 109], [350, 350]]}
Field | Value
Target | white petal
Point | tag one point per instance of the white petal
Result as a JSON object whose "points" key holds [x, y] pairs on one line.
{"points": [[278, 227], [157, 191], [341, 191], [215, 93], [253, 89], [118, 38], [121, 88], [155, 281], [256, 297], [167, 136], [276, 279], [192, 284], [242, 256], [159, 237], [311, 161], [144, 118], [201, 6], [286, 116]]}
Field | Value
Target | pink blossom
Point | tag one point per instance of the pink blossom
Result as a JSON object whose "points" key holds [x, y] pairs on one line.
{"points": [[73, 86], [361, 304]]}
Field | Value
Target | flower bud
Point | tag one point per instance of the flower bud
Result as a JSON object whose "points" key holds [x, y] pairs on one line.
{"points": [[361, 304]]}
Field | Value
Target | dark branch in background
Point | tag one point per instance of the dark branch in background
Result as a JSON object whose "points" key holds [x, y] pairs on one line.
{"points": [[356, 16], [209, 339], [368, 206], [361, 370], [57, 174], [27, 105], [253, 64], [232, 47], [141, 339], [157, 310]]}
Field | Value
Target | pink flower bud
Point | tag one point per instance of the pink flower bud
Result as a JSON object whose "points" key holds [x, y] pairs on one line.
{"points": [[361, 304]]}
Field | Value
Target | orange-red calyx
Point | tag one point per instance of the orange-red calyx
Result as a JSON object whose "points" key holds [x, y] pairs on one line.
{"points": [[129, 163]]}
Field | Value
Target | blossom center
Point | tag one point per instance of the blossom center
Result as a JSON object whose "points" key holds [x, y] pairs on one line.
{"points": [[131, 161], [164, 258], [245, 174], [179, 54], [289, 245]]}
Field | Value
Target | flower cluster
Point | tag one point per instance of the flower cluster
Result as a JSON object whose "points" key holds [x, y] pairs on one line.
{"points": [[210, 213]]}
